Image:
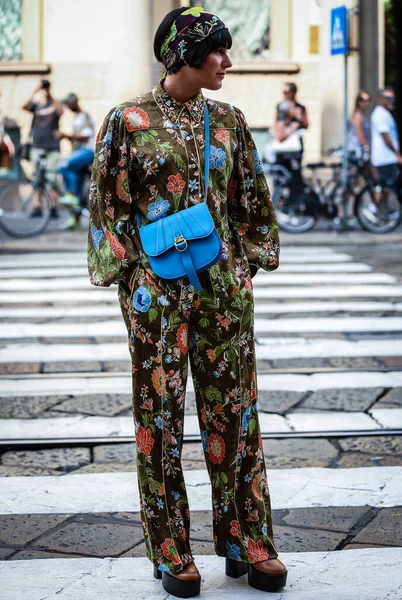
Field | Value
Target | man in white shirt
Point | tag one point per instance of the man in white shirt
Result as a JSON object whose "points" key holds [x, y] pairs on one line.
{"points": [[385, 148]]}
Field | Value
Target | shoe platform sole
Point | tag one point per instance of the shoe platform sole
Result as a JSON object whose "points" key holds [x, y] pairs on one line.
{"points": [[177, 587], [256, 579]]}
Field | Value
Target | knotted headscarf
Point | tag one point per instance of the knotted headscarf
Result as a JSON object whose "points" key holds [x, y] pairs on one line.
{"points": [[191, 27]]}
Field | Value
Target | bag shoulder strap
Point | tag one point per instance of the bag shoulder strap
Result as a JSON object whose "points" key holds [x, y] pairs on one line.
{"points": [[206, 159], [206, 151]]}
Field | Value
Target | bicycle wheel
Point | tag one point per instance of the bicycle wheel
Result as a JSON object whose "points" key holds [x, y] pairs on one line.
{"points": [[293, 214], [381, 218], [16, 207]]}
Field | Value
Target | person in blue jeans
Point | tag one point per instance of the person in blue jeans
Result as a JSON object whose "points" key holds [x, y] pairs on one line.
{"points": [[74, 167]]}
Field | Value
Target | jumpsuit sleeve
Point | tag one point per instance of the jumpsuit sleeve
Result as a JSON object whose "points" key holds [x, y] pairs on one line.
{"points": [[249, 203], [111, 249]]}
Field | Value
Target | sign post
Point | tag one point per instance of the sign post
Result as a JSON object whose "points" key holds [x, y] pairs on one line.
{"points": [[340, 45]]}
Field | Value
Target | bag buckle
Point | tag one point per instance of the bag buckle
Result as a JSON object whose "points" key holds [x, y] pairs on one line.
{"points": [[180, 243]]}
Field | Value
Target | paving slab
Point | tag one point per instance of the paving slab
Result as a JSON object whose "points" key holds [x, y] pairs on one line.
{"points": [[115, 453], [390, 418], [343, 399], [63, 356], [19, 530], [299, 448], [118, 426], [330, 421], [378, 445], [294, 539], [25, 407], [20, 368], [392, 398], [115, 329], [115, 492], [72, 366], [91, 536], [27, 471], [278, 402], [107, 468], [385, 528], [33, 554], [96, 404], [54, 458], [312, 575], [357, 459], [340, 519], [82, 384]]}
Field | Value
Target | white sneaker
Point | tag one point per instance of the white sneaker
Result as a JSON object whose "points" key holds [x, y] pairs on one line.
{"points": [[369, 214], [69, 200]]}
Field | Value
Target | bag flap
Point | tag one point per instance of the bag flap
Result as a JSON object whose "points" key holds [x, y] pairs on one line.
{"points": [[192, 223]]}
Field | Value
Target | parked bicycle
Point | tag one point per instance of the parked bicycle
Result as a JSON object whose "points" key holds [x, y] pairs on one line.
{"points": [[300, 201], [17, 201]]}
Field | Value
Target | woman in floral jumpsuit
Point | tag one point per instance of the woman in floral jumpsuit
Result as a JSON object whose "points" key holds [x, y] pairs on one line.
{"points": [[150, 158]]}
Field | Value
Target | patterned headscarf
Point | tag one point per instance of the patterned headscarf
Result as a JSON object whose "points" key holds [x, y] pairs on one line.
{"points": [[191, 26]]}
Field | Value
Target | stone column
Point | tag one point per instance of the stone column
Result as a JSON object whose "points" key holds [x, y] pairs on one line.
{"points": [[131, 50], [370, 27]]}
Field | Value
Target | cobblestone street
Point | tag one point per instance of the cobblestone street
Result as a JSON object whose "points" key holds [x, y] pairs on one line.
{"points": [[329, 349]]}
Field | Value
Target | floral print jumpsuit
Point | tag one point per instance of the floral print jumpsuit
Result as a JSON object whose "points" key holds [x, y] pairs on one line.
{"points": [[150, 157]]}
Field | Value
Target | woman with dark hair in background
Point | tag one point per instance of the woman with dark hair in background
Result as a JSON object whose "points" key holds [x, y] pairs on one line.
{"points": [[149, 163], [359, 127]]}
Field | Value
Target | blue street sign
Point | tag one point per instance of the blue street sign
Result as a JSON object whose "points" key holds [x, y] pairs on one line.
{"points": [[339, 30]]}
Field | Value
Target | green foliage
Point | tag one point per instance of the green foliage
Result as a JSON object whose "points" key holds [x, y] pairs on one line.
{"points": [[219, 480], [146, 419], [204, 322], [152, 314], [106, 261], [252, 425], [154, 486], [174, 320], [178, 160], [254, 532], [146, 137], [228, 278], [212, 394], [232, 357]]}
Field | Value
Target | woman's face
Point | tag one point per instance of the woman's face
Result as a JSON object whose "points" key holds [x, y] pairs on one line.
{"points": [[364, 102], [212, 72]]}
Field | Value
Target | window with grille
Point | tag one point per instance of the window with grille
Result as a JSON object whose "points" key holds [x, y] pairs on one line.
{"points": [[248, 22], [11, 29]]}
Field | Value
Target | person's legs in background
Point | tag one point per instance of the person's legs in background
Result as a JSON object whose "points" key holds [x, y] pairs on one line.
{"points": [[73, 171], [52, 160], [52, 163]]}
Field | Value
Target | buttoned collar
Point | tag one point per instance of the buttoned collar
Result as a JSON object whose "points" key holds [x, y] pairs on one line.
{"points": [[173, 109]]}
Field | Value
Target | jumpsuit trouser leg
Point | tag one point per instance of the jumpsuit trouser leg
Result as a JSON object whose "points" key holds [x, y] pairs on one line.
{"points": [[217, 334]]}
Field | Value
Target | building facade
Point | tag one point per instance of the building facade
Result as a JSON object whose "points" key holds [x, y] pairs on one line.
{"points": [[102, 51]]}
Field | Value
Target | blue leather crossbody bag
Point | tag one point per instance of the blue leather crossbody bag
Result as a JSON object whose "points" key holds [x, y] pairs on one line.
{"points": [[186, 242]]}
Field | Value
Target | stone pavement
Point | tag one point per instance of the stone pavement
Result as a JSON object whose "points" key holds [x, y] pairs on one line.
{"points": [[330, 409]]}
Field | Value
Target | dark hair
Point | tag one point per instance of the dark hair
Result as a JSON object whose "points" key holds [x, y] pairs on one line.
{"points": [[197, 55], [359, 97], [45, 84], [292, 87]]}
